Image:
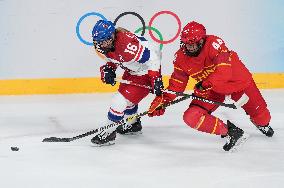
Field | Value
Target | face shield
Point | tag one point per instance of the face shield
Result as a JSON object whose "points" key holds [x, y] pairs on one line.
{"points": [[106, 45], [193, 49]]}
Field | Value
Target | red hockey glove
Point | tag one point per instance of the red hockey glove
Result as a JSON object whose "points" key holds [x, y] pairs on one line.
{"points": [[156, 82], [202, 89], [108, 74], [156, 108]]}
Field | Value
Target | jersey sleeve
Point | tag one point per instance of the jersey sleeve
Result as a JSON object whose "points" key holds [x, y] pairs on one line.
{"points": [[179, 78], [221, 57], [111, 64], [155, 57]]}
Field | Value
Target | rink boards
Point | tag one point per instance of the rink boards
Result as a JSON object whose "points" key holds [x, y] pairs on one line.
{"points": [[94, 85]]}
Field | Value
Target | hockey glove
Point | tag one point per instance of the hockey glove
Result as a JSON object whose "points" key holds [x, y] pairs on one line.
{"points": [[202, 90], [108, 75], [157, 106], [156, 82]]}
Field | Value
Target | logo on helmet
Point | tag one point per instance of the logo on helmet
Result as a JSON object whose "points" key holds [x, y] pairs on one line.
{"points": [[96, 34], [105, 26]]}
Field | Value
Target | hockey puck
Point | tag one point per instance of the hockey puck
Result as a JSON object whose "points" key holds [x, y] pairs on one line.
{"points": [[14, 148]]}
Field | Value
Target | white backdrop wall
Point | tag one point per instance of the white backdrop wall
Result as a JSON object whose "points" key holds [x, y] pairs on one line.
{"points": [[38, 37]]}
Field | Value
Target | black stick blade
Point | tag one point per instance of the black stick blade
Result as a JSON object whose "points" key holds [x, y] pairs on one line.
{"points": [[55, 139]]}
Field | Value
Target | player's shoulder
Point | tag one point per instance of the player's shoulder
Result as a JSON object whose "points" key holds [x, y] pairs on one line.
{"points": [[179, 56], [125, 36], [214, 43], [212, 37], [211, 40]]}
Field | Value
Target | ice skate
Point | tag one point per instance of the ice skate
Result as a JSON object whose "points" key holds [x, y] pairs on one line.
{"points": [[132, 129], [266, 130], [104, 139], [235, 137]]}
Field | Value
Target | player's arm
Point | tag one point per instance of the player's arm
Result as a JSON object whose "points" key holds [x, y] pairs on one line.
{"points": [[178, 82], [154, 71], [134, 51], [153, 59]]}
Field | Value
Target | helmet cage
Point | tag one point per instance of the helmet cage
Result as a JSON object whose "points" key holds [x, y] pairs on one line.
{"points": [[189, 53]]}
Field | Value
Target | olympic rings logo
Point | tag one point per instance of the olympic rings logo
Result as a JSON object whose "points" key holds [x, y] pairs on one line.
{"points": [[142, 29]]}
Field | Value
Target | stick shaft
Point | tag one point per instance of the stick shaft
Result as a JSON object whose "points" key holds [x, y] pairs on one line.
{"points": [[233, 106]]}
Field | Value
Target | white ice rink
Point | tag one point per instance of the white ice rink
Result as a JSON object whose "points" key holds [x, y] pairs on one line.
{"points": [[168, 154]]}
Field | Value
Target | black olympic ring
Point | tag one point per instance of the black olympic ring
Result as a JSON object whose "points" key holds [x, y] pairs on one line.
{"points": [[135, 14]]}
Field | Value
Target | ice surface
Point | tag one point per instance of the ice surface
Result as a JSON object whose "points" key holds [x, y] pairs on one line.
{"points": [[168, 154]]}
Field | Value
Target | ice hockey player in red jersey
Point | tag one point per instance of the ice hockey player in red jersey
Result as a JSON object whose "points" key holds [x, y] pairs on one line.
{"points": [[219, 72], [141, 63]]}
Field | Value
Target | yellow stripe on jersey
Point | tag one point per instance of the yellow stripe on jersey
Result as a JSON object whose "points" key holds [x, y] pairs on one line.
{"points": [[178, 68], [215, 126], [179, 81], [196, 73], [200, 122], [224, 64], [209, 66]]}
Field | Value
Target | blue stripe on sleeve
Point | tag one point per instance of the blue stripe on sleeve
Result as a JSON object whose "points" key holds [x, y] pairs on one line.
{"points": [[142, 38], [145, 56]]}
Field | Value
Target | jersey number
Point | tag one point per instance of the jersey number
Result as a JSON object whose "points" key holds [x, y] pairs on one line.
{"points": [[131, 49], [217, 45]]}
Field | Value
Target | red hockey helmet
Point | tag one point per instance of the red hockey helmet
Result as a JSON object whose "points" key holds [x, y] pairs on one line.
{"points": [[193, 32]]}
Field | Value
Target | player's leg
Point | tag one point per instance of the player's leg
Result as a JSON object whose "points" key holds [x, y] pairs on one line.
{"points": [[256, 108], [124, 104], [133, 95], [198, 116], [115, 114]]}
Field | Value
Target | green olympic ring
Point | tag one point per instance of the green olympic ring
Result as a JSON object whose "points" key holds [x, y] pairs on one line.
{"points": [[156, 31]]}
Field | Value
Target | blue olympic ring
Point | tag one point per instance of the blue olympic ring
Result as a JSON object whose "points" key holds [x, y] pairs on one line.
{"points": [[80, 21]]}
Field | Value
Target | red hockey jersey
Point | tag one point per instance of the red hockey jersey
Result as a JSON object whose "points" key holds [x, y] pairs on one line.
{"points": [[134, 54], [215, 65]]}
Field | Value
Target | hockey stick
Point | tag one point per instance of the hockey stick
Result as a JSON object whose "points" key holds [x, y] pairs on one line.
{"points": [[116, 124], [233, 106]]}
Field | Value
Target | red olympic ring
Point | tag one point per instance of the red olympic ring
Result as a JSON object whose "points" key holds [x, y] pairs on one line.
{"points": [[179, 27]]}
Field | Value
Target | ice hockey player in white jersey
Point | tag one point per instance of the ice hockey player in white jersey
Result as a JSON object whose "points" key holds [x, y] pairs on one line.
{"points": [[141, 62]]}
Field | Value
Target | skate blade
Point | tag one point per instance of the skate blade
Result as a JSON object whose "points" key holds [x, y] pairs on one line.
{"points": [[133, 133], [105, 144], [239, 143]]}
